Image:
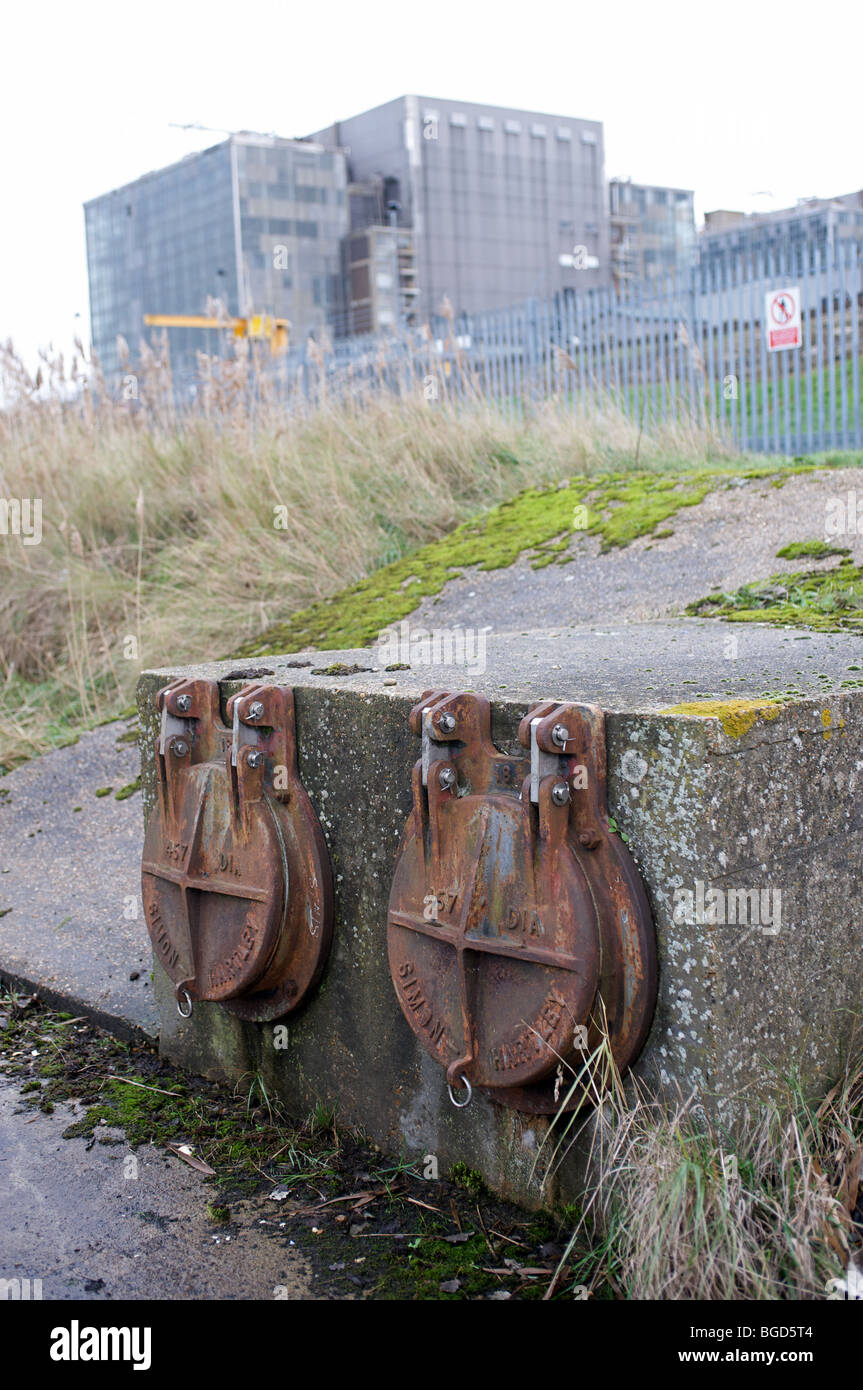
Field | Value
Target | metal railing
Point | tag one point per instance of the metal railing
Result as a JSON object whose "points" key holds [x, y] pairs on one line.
{"points": [[690, 350]]}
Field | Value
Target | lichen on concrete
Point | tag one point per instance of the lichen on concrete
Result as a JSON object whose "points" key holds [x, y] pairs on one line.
{"points": [[736, 716]]}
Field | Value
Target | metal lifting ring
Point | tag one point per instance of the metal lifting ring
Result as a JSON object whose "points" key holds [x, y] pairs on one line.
{"points": [[460, 1104], [184, 1013]]}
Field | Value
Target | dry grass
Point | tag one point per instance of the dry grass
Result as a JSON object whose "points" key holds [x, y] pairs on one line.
{"points": [[159, 538], [675, 1208]]}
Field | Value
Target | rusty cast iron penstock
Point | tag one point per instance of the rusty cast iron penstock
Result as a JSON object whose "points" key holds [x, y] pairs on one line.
{"points": [[518, 924], [236, 878]]}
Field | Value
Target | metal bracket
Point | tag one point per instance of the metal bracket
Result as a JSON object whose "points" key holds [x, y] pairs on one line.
{"points": [[236, 879], [543, 764], [434, 748], [517, 922]]}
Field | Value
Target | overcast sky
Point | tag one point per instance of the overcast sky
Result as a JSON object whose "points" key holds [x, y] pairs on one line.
{"points": [[752, 104]]}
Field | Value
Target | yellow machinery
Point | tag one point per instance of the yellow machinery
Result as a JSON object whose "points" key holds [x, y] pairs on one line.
{"points": [[254, 326]]}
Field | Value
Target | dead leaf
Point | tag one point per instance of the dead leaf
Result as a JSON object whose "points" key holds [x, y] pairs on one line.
{"points": [[351, 1197], [417, 1203], [850, 1185], [187, 1154], [368, 1197], [450, 1286], [827, 1102], [127, 1081]]}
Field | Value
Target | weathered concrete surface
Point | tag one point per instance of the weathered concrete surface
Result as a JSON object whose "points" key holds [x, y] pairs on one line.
{"points": [[728, 539], [70, 877], [94, 1221], [774, 808]]}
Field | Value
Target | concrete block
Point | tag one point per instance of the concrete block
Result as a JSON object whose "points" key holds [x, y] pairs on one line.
{"points": [[744, 809]]}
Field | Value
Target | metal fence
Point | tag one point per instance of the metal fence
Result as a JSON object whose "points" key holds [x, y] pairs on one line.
{"points": [[690, 351]]}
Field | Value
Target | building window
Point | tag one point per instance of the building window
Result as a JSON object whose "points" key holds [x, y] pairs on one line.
{"points": [[457, 118], [538, 130], [563, 133], [485, 122], [588, 137], [512, 127]]}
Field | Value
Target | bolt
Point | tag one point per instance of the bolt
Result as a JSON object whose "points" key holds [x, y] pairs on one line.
{"points": [[446, 723], [184, 703], [447, 778], [559, 735], [589, 839], [560, 793], [179, 748], [256, 709], [255, 758]]}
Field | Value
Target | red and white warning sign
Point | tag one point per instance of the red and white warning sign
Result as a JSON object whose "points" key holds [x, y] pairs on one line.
{"points": [[782, 318]]}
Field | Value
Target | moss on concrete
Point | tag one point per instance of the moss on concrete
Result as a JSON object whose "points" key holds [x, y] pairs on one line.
{"points": [[828, 600], [539, 522], [810, 550], [736, 716]]}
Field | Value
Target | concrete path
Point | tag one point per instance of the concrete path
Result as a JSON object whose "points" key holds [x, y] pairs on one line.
{"points": [[94, 1221], [70, 871]]}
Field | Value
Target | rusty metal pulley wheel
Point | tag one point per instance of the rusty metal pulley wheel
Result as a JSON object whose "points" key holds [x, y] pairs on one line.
{"points": [[236, 878], [519, 932]]}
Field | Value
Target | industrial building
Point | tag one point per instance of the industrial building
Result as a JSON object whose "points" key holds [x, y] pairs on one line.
{"points": [[496, 202], [652, 230], [255, 221], [373, 224], [812, 225]]}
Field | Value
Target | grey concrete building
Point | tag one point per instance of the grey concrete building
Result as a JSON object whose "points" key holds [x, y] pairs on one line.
{"points": [[652, 230], [255, 221], [812, 225], [497, 200]]}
